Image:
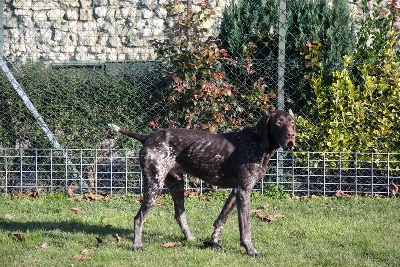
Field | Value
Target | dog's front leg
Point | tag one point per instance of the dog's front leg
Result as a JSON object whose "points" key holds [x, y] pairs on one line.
{"points": [[243, 204], [222, 218]]}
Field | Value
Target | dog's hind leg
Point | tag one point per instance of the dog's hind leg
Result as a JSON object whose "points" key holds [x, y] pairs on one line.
{"points": [[152, 192], [175, 184]]}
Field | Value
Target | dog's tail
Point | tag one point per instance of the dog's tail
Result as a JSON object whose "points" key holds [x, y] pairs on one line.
{"points": [[140, 137]]}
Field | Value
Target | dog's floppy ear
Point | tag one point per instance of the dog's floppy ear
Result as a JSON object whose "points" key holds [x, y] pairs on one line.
{"points": [[262, 129]]}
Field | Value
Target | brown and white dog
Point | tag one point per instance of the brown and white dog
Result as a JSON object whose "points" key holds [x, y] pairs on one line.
{"points": [[234, 160]]}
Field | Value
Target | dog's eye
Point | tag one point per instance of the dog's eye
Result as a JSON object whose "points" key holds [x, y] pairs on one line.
{"points": [[278, 122]]}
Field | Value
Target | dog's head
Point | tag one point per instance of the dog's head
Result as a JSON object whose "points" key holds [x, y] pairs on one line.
{"points": [[277, 129]]}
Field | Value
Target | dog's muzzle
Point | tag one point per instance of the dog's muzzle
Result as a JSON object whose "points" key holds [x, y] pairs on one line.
{"points": [[291, 144]]}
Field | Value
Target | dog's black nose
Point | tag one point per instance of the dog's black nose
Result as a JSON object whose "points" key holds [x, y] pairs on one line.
{"points": [[290, 135]]}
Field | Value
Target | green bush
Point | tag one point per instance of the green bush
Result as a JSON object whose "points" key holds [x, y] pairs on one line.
{"points": [[257, 21], [360, 109], [200, 94], [76, 103]]}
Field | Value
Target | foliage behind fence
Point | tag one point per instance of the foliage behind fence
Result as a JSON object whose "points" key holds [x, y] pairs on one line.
{"points": [[210, 65], [203, 78]]}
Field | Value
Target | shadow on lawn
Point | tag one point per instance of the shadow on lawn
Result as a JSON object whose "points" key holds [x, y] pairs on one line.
{"points": [[159, 237], [10, 226], [66, 226]]}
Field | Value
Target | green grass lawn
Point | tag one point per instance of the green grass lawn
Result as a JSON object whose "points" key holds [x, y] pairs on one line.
{"points": [[313, 232]]}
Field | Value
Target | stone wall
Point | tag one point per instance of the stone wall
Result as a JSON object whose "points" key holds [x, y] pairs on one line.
{"points": [[84, 30], [91, 30]]}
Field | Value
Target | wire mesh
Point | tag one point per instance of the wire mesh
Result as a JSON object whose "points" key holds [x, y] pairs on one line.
{"points": [[85, 64], [117, 171]]}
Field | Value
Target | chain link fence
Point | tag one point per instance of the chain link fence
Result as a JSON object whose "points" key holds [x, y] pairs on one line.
{"points": [[71, 67]]}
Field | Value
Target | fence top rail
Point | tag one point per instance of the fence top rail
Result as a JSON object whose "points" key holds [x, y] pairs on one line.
{"points": [[135, 149]]}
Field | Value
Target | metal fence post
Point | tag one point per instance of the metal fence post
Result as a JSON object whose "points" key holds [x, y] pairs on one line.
{"points": [[281, 74], [1, 28], [281, 54]]}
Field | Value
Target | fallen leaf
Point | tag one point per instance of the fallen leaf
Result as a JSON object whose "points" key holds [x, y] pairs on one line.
{"points": [[29, 193], [8, 217], [93, 197], [44, 245], [17, 194], [70, 191], [191, 194], [393, 189], [81, 258], [263, 207], [79, 197], [254, 211], [77, 210], [158, 204], [206, 198], [87, 251], [105, 220], [117, 237], [171, 244], [21, 236], [36, 194], [341, 194], [269, 217]]}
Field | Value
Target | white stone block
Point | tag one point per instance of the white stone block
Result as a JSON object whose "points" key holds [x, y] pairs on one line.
{"points": [[158, 23], [55, 14], [57, 35], [40, 16], [86, 14], [126, 12], [161, 13], [68, 49], [102, 11], [147, 32], [23, 12], [44, 5], [45, 35], [147, 14], [72, 14], [11, 22], [25, 4], [85, 3], [114, 41], [96, 49]]}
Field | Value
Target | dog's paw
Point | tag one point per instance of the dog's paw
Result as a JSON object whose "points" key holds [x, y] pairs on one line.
{"points": [[211, 244], [114, 127], [137, 248], [255, 254]]}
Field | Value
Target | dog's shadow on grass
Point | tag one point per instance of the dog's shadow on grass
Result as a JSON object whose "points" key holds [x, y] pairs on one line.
{"points": [[99, 230], [98, 234], [64, 226]]}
